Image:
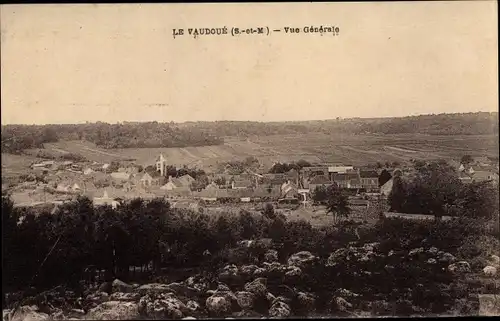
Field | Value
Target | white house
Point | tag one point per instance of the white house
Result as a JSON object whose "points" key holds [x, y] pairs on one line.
{"points": [[105, 200]]}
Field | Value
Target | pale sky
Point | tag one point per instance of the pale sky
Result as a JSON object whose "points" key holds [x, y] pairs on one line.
{"points": [[77, 63]]}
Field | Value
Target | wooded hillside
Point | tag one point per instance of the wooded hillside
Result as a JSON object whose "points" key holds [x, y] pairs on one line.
{"points": [[154, 134]]}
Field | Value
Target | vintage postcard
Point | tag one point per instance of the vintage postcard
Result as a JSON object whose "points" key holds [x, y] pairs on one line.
{"points": [[250, 160]]}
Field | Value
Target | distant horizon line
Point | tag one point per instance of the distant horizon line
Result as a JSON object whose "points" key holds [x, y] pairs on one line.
{"points": [[248, 121]]}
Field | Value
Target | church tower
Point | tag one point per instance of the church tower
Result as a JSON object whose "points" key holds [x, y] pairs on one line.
{"points": [[161, 165]]}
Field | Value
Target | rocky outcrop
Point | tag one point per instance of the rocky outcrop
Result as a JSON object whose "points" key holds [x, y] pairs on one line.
{"points": [[28, 313], [490, 270], [128, 297], [120, 286], [258, 287], [245, 299], [229, 274], [153, 288], [218, 305], [271, 256], [459, 267], [162, 306], [279, 309], [302, 259], [114, 310]]}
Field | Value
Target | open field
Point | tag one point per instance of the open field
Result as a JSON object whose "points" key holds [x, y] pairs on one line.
{"points": [[314, 147]]}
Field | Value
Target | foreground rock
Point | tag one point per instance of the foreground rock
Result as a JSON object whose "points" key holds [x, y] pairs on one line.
{"points": [[258, 287], [153, 288], [490, 270], [218, 305], [114, 310], [120, 286], [301, 259], [271, 256], [162, 306], [128, 297], [28, 313], [279, 309], [245, 299], [460, 267]]}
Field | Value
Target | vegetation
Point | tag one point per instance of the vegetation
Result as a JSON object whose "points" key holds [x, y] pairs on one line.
{"points": [[481, 123], [140, 232], [280, 168], [435, 189], [16, 138], [153, 134]]}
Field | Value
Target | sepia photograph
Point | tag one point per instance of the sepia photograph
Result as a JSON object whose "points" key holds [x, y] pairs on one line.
{"points": [[250, 160]]}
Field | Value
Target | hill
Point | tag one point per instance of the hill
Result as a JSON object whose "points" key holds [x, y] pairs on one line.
{"points": [[190, 134]]}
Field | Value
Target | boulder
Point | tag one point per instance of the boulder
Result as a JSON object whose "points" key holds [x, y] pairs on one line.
{"points": [[344, 293], [459, 267], [197, 282], [245, 299], [490, 270], [274, 269], [153, 288], [264, 243], [340, 304], [120, 286], [28, 313], [431, 261], [114, 310], [229, 273], [270, 297], [489, 305], [245, 243], [6, 314], [416, 251], [248, 270], [446, 258], [259, 272], [279, 309], [306, 301], [337, 256], [183, 289], [218, 306], [119, 296], [98, 297], [57, 315], [367, 257], [189, 318], [271, 256], [371, 247], [494, 261], [293, 272], [433, 250], [162, 306], [105, 287], [257, 287], [193, 306], [301, 259]]}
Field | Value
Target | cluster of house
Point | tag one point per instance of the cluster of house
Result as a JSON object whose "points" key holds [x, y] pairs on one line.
{"points": [[480, 170], [104, 186]]}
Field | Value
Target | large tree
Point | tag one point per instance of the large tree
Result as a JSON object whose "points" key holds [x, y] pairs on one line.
{"points": [[337, 203]]}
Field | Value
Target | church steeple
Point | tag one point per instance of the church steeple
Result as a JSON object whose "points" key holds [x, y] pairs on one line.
{"points": [[161, 164]]}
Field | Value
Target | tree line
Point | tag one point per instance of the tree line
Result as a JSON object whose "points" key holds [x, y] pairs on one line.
{"points": [[435, 189], [16, 138], [154, 134]]}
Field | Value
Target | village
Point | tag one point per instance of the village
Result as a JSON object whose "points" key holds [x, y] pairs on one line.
{"points": [[51, 183]]}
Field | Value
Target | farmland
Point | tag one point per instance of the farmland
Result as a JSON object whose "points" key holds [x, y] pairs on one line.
{"points": [[313, 147]]}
